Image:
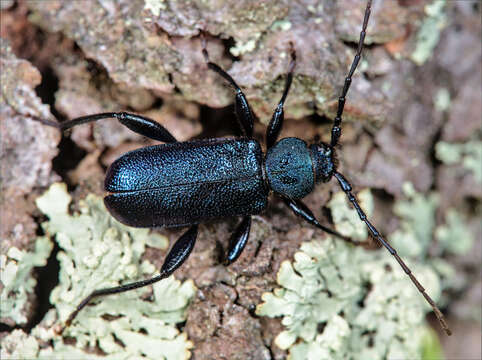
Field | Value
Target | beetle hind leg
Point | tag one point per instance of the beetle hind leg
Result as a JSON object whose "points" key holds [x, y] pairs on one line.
{"points": [[177, 255]]}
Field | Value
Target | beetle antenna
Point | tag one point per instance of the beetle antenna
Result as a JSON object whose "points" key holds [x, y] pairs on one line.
{"points": [[346, 187], [336, 130]]}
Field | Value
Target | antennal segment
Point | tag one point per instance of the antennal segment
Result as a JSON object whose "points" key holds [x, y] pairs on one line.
{"points": [[336, 130], [346, 187]]}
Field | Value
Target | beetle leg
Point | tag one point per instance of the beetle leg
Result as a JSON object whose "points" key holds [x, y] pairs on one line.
{"points": [[175, 258], [238, 240], [243, 111], [300, 209], [180, 251], [137, 123], [276, 123]]}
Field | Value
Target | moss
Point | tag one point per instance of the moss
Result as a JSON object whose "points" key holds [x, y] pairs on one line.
{"points": [[97, 252], [429, 33]]}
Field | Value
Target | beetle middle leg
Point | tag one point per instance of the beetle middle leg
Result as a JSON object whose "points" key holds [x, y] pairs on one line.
{"points": [[177, 255], [238, 241], [243, 111]]}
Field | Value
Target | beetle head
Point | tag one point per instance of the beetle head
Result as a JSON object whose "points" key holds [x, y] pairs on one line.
{"points": [[324, 161]]}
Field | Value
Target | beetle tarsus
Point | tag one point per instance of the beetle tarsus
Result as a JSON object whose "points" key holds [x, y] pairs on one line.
{"points": [[175, 258]]}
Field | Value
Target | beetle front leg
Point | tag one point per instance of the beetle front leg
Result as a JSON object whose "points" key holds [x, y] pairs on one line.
{"points": [[276, 123], [243, 111], [300, 209], [175, 258], [238, 241], [137, 123]]}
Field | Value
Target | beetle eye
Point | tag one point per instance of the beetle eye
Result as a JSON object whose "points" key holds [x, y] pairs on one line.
{"points": [[323, 162]]}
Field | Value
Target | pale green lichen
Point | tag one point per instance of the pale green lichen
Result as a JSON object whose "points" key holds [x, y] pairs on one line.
{"points": [[344, 302], [19, 345], [429, 33], [431, 347], [243, 47], [281, 25], [469, 154], [418, 227], [347, 222], [154, 6], [97, 252], [442, 100], [17, 279], [454, 236], [341, 302], [417, 222]]}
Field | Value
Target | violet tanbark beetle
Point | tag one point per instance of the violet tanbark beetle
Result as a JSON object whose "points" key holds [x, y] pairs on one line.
{"points": [[186, 183]]}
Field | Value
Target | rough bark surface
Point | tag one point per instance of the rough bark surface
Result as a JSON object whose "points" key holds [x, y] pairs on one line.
{"points": [[145, 57]]}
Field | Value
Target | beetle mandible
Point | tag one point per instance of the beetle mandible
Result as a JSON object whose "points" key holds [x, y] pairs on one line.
{"points": [[165, 185]]}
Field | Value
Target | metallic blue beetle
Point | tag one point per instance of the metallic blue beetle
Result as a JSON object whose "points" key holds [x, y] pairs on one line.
{"points": [[181, 184], [186, 183]]}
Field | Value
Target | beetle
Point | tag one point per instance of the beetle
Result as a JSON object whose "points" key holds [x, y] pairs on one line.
{"points": [[182, 184]]}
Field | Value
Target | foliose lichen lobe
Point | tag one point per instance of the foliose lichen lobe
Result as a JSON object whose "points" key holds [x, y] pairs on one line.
{"points": [[96, 252], [338, 301]]}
